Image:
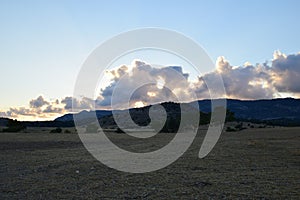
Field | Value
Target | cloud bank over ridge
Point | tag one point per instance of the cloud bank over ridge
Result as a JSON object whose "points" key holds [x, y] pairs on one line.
{"points": [[260, 81]]}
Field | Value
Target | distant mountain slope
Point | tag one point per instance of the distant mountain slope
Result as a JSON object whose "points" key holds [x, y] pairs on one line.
{"points": [[284, 112], [260, 109], [3, 121], [279, 111], [266, 109], [84, 115]]}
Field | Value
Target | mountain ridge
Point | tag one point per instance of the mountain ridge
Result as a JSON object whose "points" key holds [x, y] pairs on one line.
{"points": [[280, 111], [263, 109]]}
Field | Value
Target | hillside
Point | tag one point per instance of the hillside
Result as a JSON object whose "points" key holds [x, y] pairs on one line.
{"points": [[285, 112], [277, 111]]}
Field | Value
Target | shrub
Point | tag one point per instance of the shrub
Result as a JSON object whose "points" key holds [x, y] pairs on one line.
{"points": [[230, 129], [119, 130], [239, 126], [67, 131], [57, 130]]}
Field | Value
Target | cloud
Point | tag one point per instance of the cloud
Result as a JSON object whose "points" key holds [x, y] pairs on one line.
{"points": [[242, 82], [80, 104], [259, 81], [15, 112], [52, 109], [38, 108], [164, 84], [286, 72], [39, 102], [3, 114]]}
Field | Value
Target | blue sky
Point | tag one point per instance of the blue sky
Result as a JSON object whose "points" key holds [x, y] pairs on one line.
{"points": [[44, 43]]}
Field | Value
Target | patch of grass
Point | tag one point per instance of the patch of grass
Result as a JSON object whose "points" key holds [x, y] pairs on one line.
{"points": [[256, 143], [258, 164]]}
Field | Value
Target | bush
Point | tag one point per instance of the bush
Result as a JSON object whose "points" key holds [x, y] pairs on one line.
{"points": [[119, 130], [262, 126], [57, 130], [230, 129], [230, 116], [239, 126], [67, 131]]}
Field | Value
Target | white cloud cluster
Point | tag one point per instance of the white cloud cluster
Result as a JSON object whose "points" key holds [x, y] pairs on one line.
{"points": [[170, 83], [245, 82], [261, 81], [286, 72], [38, 108]]}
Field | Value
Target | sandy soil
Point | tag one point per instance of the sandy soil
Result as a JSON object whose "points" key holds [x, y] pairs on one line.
{"points": [[249, 164]]}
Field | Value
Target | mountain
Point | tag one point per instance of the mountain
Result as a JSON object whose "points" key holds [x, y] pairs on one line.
{"points": [[3, 121], [268, 109], [83, 115], [284, 112]]}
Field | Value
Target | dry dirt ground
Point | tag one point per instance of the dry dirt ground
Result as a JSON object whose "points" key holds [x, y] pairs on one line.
{"points": [[249, 164]]}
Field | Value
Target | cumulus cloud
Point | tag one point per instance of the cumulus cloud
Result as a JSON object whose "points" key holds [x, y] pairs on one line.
{"points": [[37, 109], [242, 82], [40, 108], [53, 109], [38, 102], [75, 103], [260, 81], [286, 72], [15, 112], [166, 83]]}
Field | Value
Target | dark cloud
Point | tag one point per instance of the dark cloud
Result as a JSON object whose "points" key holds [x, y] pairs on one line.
{"points": [[14, 112], [75, 103], [39, 102], [286, 72], [52, 109]]}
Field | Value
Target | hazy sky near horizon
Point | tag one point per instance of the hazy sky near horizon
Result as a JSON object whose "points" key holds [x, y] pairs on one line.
{"points": [[44, 43]]}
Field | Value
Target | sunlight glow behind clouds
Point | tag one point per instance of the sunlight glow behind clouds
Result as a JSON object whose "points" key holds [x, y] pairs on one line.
{"points": [[260, 81]]}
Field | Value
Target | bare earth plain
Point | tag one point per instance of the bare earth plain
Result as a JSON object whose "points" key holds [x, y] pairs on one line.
{"points": [[257, 163]]}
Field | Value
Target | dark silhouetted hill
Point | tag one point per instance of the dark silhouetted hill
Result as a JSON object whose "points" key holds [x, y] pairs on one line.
{"points": [[285, 112]]}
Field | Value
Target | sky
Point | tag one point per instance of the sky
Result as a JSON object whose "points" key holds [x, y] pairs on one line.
{"points": [[43, 45]]}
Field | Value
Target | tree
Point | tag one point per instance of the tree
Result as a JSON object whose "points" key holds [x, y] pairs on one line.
{"points": [[171, 125], [14, 126], [229, 116]]}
